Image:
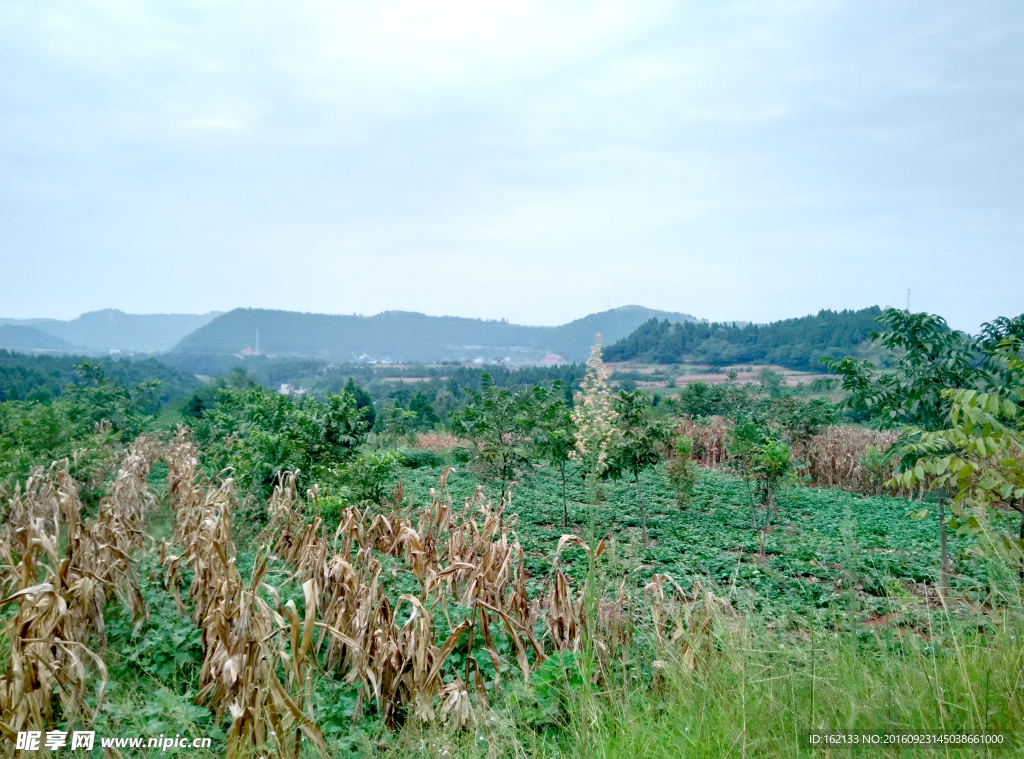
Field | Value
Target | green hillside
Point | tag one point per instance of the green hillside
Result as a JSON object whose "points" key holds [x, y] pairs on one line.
{"points": [[409, 336], [793, 343], [111, 329], [43, 377]]}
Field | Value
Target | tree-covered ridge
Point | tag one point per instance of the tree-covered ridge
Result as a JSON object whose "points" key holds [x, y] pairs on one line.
{"points": [[44, 377], [407, 336], [794, 343]]}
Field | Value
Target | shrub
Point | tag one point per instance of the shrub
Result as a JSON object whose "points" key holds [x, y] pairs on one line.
{"points": [[369, 474], [681, 470], [414, 458]]}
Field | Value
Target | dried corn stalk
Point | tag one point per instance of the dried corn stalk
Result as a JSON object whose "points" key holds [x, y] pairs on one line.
{"points": [[837, 457], [245, 642], [61, 599], [708, 439], [683, 624]]}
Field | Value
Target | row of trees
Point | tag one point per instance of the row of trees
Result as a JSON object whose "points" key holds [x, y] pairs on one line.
{"points": [[611, 435], [90, 418], [43, 378]]}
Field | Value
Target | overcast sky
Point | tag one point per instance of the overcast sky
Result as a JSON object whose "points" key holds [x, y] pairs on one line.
{"points": [[536, 161]]}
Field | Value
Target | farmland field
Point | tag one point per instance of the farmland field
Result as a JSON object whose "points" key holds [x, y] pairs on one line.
{"points": [[823, 539], [317, 575], [840, 566]]}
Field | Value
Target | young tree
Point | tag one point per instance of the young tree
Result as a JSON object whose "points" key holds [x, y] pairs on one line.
{"points": [[555, 437], [364, 402], [98, 398], [682, 470], [637, 445], [393, 423], [771, 382], [937, 376], [798, 420], [260, 433], [426, 416], [369, 474], [978, 458], [766, 466], [932, 358], [500, 424]]}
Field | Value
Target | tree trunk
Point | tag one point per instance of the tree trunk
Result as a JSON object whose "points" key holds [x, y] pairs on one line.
{"points": [[943, 554], [767, 523], [565, 505], [1020, 530], [643, 517]]}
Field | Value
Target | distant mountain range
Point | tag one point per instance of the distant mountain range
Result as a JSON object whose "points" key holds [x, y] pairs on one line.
{"points": [[101, 331], [409, 336], [19, 337]]}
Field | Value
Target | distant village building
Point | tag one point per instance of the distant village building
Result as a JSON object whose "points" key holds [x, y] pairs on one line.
{"points": [[551, 359]]}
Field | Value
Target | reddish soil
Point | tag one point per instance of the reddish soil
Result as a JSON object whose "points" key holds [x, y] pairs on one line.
{"points": [[791, 379], [626, 366]]}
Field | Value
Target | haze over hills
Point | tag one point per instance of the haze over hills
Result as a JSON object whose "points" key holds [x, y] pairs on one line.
{"points": [[111, 329], [20, 337], [409, 336]]}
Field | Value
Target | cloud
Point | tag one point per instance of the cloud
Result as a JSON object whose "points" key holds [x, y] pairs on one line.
{"points": [[526, 160]]}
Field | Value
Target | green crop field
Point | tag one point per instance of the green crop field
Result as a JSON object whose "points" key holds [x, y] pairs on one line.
{"points": [[824, 540]]}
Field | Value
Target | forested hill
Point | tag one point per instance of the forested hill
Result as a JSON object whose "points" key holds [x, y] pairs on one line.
{"points": [[793, 343], [25, 377], [408, 336]]}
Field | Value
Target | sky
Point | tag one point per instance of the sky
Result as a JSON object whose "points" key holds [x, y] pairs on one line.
{"points": [[528, 160]]}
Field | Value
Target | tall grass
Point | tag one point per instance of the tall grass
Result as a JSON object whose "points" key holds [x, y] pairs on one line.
{"points": [[758, 692]]}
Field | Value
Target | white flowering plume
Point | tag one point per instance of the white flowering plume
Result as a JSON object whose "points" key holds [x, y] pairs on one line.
{"points": [[594, 416]]}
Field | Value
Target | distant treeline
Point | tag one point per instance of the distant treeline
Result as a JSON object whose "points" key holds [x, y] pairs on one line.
{"points": [[318, 376], [792, 343], [460, 377], [433, 392], [25, 377]]}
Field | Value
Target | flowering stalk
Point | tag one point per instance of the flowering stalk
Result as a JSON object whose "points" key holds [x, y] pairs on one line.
{"points": [[596, 434], [594, 417]]}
